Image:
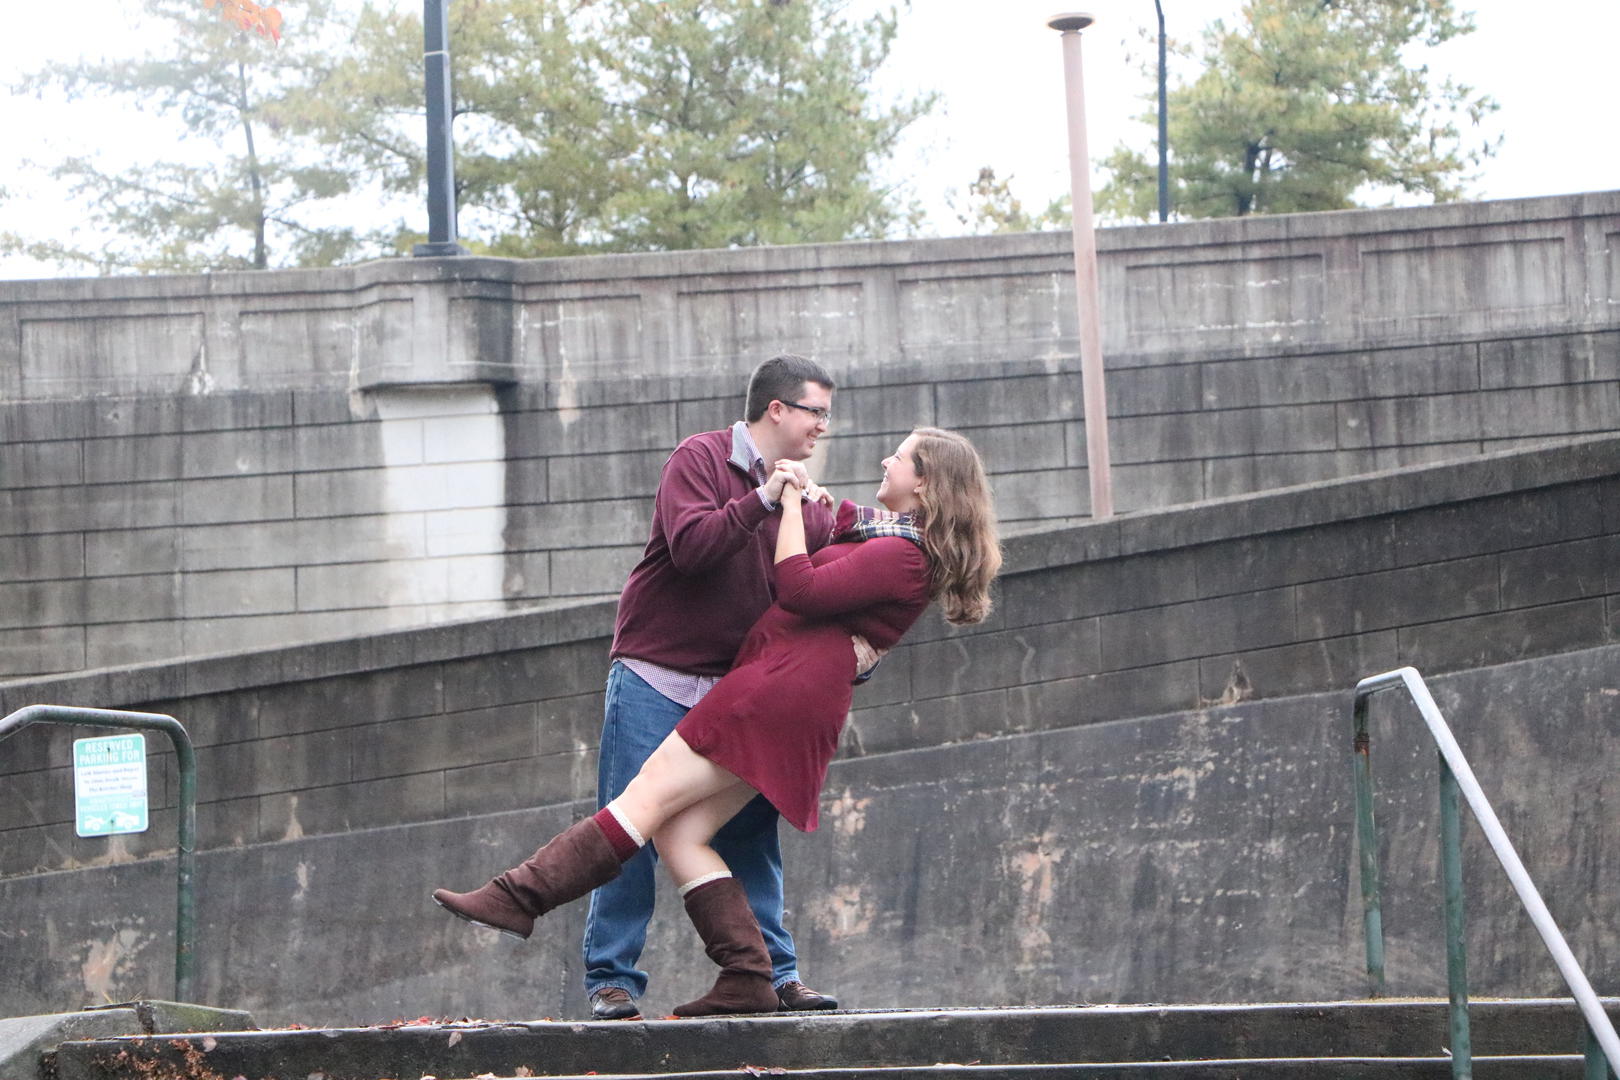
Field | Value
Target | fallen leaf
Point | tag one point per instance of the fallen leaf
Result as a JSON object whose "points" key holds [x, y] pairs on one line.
{"points": [[455, 1037], [208, 1043]]}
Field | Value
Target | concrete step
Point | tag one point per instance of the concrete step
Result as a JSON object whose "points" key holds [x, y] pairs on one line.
{"points": [[1523, 1067], [1404, 1035], [25, 1041]]}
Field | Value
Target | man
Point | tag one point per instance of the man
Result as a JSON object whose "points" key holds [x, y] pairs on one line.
{"points": [[705, 577]]}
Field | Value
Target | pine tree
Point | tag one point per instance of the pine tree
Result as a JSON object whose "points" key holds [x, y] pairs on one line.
{"points": [[1311, 105], [580, 126]]}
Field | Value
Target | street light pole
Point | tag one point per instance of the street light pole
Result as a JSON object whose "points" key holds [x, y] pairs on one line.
{"points": [[441, 164], [1164, 127], [1087, 295]]}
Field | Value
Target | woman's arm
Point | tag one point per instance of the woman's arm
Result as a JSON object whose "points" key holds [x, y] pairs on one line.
{"points": [[881, 570], [878, 571], [790, 536]]}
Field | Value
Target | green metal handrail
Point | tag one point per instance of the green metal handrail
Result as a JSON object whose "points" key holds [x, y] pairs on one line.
{"points": [[186, 913], [1602, 1045]]}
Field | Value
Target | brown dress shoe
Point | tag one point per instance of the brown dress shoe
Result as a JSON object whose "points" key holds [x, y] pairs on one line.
{"points": [[797, 997], [613, 1003]]}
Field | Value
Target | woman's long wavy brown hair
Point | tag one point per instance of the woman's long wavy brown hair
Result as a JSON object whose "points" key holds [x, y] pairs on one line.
{"points": [[958, 523]]}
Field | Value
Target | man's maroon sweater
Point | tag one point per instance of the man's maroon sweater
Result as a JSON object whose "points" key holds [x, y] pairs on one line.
{"points": [[706, 574]]}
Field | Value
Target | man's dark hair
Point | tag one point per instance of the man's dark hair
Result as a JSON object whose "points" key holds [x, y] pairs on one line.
{"points": [[782, 378]]}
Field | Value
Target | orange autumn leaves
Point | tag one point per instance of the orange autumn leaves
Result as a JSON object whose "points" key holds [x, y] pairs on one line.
{"points": [[245, 15]]}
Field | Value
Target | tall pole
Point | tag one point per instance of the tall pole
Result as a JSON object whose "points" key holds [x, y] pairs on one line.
{"points": [[441, 164], [1094, 393], [1164, 127]]}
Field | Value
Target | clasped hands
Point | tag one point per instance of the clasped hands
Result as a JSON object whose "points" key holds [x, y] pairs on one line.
{"points": [[788, 473]]}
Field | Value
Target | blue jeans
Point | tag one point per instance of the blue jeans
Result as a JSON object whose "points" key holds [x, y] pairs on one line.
{"points": [[636, 718]]}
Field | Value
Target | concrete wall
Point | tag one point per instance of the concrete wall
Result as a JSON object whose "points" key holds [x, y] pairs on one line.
{"points": [[1011, 820], [192, 464]]}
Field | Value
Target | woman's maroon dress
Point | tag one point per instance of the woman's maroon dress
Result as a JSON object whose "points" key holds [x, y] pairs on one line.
{"points": [[774, 720]]}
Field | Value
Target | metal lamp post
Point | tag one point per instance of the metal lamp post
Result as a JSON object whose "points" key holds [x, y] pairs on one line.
{"points": [[441, 164], [1164, 126], [1087, 294]]}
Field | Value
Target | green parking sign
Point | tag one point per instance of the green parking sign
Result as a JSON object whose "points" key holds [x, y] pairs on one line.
{"points": [[109, 784]]}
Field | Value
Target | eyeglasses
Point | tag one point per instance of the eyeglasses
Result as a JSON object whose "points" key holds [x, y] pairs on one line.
{"points": [[823, 416]]}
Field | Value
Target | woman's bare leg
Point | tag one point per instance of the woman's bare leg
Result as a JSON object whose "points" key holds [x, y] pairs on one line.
{"points": [[718, 907], [586, 854], [683, 840], [674, 778]]}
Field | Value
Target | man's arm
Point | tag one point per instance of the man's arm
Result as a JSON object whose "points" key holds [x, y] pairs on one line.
{"points": [[703, 527]]}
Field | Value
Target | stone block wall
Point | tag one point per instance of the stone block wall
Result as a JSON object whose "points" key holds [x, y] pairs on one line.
{"points": [[140, 528], [196, 464], [382, 763], [1190, 857]]}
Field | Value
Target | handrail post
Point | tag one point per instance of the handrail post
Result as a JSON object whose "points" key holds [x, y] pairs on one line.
{"points": [[185, 914], [1372, 906], [1597, 1063], [186, 845], [1462, 1054]]}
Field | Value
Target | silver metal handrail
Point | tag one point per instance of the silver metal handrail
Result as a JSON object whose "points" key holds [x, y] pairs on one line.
{"points": [[1456, 776]]}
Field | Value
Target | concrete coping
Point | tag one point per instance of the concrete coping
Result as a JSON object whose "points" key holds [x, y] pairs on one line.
{"points": [[551, 623], [1351, 498], [560, 622], [901, 254]]}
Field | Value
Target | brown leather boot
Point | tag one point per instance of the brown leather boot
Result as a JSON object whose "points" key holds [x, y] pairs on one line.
{"points": [[577, 860], [719, 909]]}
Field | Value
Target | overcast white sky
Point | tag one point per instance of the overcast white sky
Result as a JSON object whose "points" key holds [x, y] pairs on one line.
{"points": [[1550, 66], [1000, 74]]}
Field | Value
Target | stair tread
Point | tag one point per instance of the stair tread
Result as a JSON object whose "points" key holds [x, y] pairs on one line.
{"points": [[1508, 1064], [1375, 1040]]}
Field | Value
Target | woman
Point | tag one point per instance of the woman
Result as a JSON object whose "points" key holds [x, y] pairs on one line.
{"points": [[771, 725]]}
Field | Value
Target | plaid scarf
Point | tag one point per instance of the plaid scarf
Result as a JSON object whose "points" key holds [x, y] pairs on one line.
{"points": [[869, 522]]}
